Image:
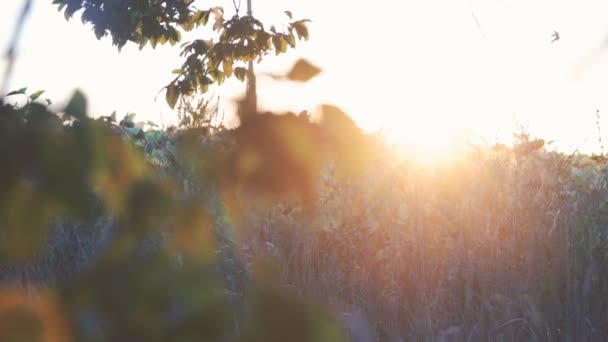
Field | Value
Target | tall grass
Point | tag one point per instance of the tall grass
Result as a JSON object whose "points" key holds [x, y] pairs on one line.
{"points": [[504, 244]]}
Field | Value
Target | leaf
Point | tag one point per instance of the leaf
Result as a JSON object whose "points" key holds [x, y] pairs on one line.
{"points": [[227, 66], [205, 18], [77, 106], [201, 17], [276, 41], [130, 117], [289, 14], [163, 38], [301, 29], [18, 92], [303, 71], [240, 73], [291, 39], [86, 15], [171, 95], [36, 95], [219, 18], [219, 77], [133, 131], [100, 31]]}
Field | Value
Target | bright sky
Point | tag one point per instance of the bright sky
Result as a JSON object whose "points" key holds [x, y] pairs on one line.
{"points": [[421, 71]]}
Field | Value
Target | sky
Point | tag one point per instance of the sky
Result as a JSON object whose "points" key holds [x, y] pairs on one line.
{"points": [[422, 72]]}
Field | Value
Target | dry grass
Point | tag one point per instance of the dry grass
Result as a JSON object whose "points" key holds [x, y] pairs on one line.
{"points": [[502, 245], [505, 245]]}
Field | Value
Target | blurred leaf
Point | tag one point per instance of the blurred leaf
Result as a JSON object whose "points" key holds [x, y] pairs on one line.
{"points": [[77, 106], [134, 132], [303, 71], [348, 144], [18, 92], [278, 316], [36, 95], [240, 73], [218, 12], [301, 29], [130, 117], [21, 232], [23, 318], [278, 155], [227, 66], [171, 95], [276, 41], [192, 233], [118, 166], [148, 206], [291, 39]]}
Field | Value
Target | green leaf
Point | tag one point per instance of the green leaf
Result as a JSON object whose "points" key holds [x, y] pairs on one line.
{"points": [[151, 123], [289, 14], [77, 106], [18, 92], [171, 95], [36, 95], [130, 117]]}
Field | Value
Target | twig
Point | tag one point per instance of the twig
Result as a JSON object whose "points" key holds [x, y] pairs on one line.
{"points": [[599, 131], [483, 35], [236, 7], [10, 52], [515, 320]]}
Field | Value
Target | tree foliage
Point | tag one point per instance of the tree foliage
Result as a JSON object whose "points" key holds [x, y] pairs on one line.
{"points": [[240, 39]]}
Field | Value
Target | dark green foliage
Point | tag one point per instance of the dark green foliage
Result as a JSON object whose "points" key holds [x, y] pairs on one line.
{"points": [[241, 38], [141, 22]]}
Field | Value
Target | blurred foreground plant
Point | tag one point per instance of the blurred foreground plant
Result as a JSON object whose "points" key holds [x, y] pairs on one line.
{"points": [[69, 166]]}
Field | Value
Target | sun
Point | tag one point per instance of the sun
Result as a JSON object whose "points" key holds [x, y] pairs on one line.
{"points": [[428, 147]]}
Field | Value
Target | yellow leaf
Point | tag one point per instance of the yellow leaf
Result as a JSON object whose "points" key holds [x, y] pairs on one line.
{"points": [[303, 71]]}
